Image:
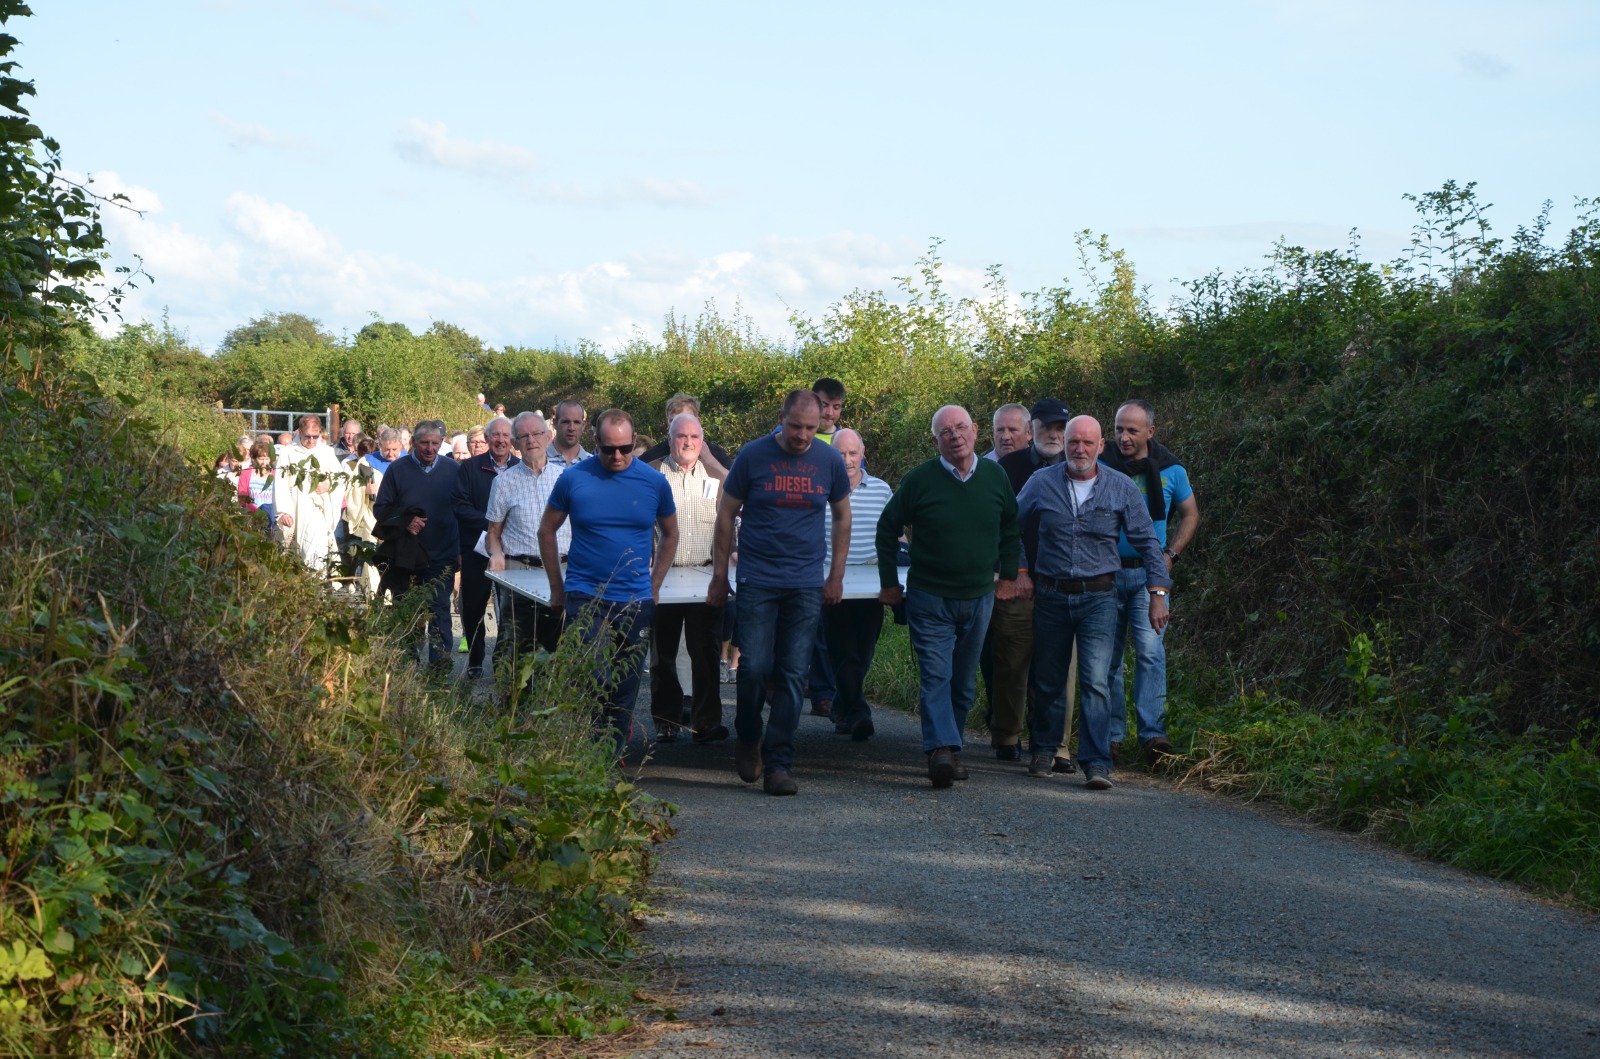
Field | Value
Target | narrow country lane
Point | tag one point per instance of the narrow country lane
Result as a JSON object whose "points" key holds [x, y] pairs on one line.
{"points": [[872, 915]]}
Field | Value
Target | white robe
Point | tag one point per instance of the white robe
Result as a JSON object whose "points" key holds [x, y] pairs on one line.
{"points": [[315, 514]]}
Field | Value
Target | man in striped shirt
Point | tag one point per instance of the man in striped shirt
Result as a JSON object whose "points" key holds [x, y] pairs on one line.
{"points": [[696, 485], [516, 504], [851, 626]]}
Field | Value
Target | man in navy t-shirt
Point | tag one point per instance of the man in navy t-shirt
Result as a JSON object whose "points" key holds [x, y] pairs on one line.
{"points": [[782, 484], [611, 582]]}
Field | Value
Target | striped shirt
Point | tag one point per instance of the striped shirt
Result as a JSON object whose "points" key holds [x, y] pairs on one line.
{"points": [[561, 461], [517, 498], [695, 493], [867, 502]]}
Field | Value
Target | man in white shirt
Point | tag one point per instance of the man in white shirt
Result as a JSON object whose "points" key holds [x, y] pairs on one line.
{"points": [[516, 504], [851, 627], [308, 495], [696, 486]]}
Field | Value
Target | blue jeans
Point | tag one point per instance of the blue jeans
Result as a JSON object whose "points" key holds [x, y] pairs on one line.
{"points": [[777, 627], [623, 624], [820, 682], [947, 636], [1057, 618], [1149, 662]]}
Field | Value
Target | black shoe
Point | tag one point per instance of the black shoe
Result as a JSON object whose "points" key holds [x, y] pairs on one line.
{"points": [[862, 730], [778, 782], [1064, 765], [747, 759], [1039, 763], [842, 727], [1008, 753], [473, 673], [822, 708], [1097, 778], [667, 733], [941, 767], [716, 735]]}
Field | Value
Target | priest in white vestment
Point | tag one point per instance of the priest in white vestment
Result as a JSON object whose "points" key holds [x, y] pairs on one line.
{"points": [[308, 494]]}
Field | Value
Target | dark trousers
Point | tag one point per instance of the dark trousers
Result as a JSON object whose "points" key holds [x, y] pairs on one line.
{"points": [[525, 624], [619, 626], [851, 629], [700, 625], [475, 589], [436, 633]]}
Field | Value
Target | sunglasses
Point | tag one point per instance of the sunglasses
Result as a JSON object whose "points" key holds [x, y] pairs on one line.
{"points": [[615, 450]]}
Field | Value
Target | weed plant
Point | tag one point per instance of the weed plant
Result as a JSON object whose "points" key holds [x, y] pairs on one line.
{"points": [[234, 818]]}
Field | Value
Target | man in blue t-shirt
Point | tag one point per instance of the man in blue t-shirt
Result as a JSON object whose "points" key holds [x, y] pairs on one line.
{"points": [[1165, 485], [782, 484], [616, 562]]}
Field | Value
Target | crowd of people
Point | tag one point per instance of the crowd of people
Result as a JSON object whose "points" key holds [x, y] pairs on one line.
{"points": [[1034, 564]]}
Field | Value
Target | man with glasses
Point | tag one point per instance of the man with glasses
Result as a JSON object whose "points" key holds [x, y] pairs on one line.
{"points": [[963, 519], [416, 501], [517, 500], [474, 481], [308, 495], [349, 434], [625, 533], [567, 447], [781, 484]]}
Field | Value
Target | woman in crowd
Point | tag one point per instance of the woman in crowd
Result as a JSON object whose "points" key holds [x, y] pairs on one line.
{"points": [[255, 481]]}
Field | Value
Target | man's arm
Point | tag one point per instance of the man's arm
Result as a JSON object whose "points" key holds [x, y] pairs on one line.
{"points": [[666, 550], [833, 586], [1181, 524], [497, 551], [714, 467], [887, 542], [728, 507], [550, 556]]}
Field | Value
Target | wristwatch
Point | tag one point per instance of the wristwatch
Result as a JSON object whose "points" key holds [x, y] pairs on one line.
{"points": [[1170, 554]]}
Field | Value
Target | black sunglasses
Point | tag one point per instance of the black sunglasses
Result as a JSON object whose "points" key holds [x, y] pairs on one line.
{"points": [[615, 450]]}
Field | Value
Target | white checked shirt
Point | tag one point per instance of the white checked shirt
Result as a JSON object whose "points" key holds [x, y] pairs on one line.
{"points": [[695, 493], [517, 499]]}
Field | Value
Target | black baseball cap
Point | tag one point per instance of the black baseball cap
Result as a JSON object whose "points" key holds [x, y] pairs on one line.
{"points": [[1049, 410]]}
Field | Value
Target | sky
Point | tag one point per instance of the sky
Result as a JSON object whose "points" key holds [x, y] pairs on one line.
{"points": [[541, 174]]}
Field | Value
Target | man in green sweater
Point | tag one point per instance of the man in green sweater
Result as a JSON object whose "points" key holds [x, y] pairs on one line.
{"points": [[963, 518]]}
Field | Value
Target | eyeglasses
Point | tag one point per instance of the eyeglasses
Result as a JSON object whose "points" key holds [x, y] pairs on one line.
{"points": [[615, 450], [953, 432], [532, 434]]}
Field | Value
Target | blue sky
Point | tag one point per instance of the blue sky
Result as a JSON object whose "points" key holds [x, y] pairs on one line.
{"points": [[541, 173]]}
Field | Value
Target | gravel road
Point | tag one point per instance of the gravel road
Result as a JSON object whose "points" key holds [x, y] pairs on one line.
{"points": [[1010, 916]]}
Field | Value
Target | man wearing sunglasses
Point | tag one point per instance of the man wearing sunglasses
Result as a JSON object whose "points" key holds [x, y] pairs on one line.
{"points": [[624, 535]]}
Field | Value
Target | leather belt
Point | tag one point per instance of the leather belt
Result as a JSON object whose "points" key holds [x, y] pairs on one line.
{"points": [[1103, 583], [533, 560]]}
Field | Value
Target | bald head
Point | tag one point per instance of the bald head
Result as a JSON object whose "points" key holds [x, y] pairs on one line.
{"points": [[1084, 445]]}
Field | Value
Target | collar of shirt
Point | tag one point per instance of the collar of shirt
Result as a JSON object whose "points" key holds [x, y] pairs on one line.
{"points": [[959, 476]]}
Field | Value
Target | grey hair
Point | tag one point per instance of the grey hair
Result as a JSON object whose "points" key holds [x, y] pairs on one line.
{"points": [[516, 424], [429, 426], [933, 424], [680, 417], [501, 419], [1003, 409], [388, 434]]}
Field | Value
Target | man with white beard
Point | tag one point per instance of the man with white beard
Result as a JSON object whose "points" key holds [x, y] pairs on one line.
{"points": [[308, 495]]}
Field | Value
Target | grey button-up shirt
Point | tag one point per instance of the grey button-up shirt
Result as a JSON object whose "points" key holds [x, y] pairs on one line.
{"points": [[1077, 542]]}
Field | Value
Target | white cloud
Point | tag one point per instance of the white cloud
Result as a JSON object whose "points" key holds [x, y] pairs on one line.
{"points": [[430, 143], [243, 134], [1482, 64], [273, 257]]}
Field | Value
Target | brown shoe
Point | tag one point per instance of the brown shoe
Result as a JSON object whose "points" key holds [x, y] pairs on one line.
{"points": [[941, 767], [747, 759], [961, 770], [778, 782], [1155, 750], [1116, 750], [822, 708]]}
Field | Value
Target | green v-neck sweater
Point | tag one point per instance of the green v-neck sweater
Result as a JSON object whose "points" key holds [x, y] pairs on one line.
{"points": [[960, 531]]}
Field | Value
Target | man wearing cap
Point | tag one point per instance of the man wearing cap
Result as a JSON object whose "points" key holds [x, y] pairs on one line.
{"points": [[1078, 510], [1165, 485], [1011, 637]]}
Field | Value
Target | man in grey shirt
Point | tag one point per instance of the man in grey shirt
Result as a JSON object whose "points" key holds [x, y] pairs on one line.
{"points": [[1079, 508]]}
